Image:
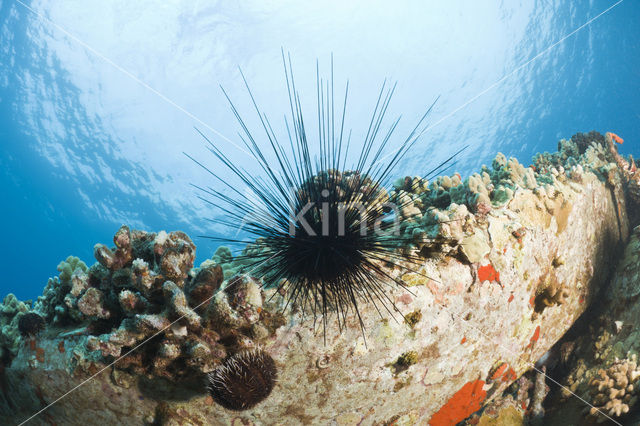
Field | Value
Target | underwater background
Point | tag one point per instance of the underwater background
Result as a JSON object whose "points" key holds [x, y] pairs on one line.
{"points": [[84, 147]]}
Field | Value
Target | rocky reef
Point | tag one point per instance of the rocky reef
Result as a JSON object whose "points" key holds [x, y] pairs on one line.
{"points": [[512, 258], [597, 358]]}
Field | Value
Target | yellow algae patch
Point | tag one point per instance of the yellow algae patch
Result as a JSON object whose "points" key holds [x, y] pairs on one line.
{"points": [[475, 246], [518, 259], [360, 348], [499, 230], [525, 328], [509, 416], [349, 419], [385, 333], [412, 279], [433, 376], [562, 215]]}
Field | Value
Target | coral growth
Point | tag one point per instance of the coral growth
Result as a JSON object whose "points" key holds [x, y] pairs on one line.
{"points": [[549, 292], [405, 361], [626, 281], [569, 152], [630, 172], [499, 412], [205, 282], [437, 214], [479, 192], [613, 391], [10, 311], [145, 288], [582, 141], [494, 248], [57, 303]]}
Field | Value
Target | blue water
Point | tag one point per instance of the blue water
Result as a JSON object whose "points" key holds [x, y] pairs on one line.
{"points": [[84, 147]]}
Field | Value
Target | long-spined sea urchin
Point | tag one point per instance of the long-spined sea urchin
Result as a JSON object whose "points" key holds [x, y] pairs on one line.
{"points": [[30, 324], [323, 231]]}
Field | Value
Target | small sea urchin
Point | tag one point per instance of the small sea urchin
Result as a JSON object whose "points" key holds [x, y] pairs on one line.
{"points": [[243, 380], [30, 324], [321, 230]]}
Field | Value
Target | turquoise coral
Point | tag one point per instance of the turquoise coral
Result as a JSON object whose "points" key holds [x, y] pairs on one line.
{"points": [[57, 303], [10, 311]]}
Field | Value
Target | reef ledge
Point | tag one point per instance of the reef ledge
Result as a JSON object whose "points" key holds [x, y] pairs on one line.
{"points": [[515, 255]]}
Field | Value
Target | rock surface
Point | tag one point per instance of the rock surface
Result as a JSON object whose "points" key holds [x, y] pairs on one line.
{"points": [[514, 256], [600, 353]]}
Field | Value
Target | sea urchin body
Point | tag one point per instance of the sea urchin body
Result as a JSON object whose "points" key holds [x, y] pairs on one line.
{"points": [[322, 230], [30, 324], [243, 380]]}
